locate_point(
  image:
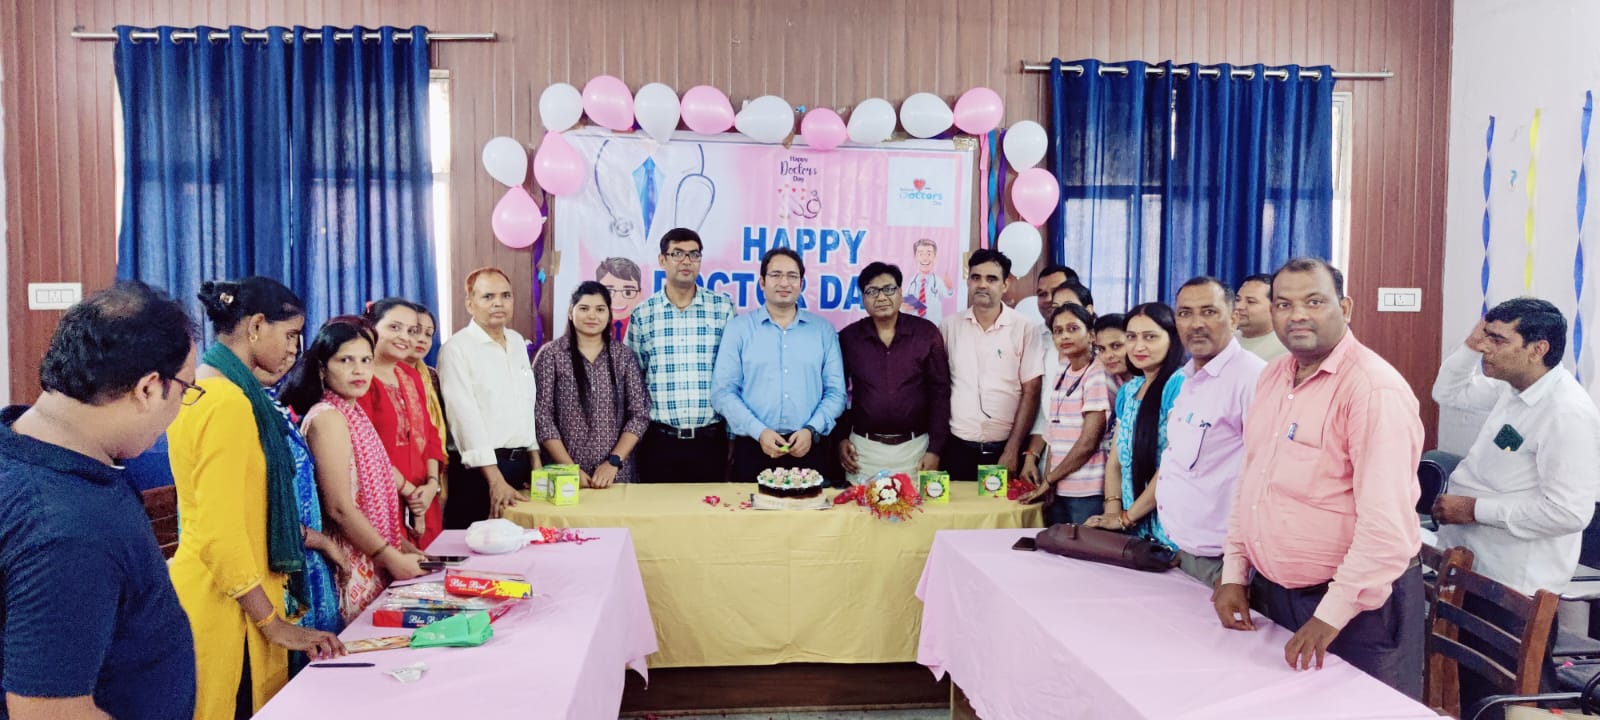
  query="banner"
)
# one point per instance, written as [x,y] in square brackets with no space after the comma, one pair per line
[906,204]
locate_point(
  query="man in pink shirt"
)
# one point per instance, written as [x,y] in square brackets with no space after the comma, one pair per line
[1325,513]
[1205,429]
[996,371]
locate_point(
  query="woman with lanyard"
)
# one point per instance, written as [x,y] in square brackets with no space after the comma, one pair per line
[1075,410]
[1141,435]
[243,543]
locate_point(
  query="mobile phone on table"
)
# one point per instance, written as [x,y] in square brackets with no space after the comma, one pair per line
[447,559]
[1028,544]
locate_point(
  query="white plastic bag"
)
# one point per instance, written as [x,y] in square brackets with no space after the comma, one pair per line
[495,537]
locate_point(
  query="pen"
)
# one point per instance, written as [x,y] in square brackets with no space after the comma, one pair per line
[342,665]
[1292,428]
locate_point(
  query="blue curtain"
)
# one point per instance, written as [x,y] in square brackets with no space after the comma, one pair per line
[1109,146]
[302,160]
[1251,179]
[1164,177]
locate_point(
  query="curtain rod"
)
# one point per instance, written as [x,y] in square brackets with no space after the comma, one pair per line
[216,35]
[1033,67]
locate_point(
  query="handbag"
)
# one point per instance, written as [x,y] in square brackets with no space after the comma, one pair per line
[1105,546]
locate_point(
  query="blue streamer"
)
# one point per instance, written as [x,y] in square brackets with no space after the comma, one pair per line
[1488,175]
[1583,204]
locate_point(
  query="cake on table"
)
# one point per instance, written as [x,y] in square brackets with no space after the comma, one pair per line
[789,489]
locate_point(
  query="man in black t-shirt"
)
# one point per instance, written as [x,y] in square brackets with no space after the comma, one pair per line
[89,622]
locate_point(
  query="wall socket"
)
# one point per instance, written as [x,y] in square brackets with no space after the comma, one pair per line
[1399,299]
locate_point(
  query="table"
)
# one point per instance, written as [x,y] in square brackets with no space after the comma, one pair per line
[759,587]
[561,654]
[1033,635]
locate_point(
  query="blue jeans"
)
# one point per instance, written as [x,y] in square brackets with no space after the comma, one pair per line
[1073,510]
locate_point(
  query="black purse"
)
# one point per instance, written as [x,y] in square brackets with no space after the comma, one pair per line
[1106,546]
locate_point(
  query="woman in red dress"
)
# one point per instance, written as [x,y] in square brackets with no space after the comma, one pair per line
[397,405]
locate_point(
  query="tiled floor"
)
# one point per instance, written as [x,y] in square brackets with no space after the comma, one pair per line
[850,715]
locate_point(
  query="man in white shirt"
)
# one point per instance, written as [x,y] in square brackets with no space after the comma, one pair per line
[1522,496]
[487,382]
[1252,313]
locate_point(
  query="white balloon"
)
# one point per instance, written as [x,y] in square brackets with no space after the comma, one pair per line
[656,107]
[871,122]
[1024,145]
[1020,242]
[925,115]
[560,107]
[506,160]
[767,119]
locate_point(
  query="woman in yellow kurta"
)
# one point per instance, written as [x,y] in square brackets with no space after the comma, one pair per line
[234,561]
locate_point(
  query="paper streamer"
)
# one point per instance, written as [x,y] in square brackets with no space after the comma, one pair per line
[1527,223]
[538,277]
[1488,176]
[1577,263]
[984,159]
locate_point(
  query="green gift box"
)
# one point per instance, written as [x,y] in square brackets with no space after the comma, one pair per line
[564,484]
[539,488]
[934,485]
[465,630]
[992,480]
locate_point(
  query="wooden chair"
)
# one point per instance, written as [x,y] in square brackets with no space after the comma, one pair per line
[1435,681]
[1507,648]
[161,505]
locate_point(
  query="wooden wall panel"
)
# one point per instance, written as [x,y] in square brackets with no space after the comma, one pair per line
[58,102]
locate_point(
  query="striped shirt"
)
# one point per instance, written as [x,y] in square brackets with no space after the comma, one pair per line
[677,350]
[1070,396]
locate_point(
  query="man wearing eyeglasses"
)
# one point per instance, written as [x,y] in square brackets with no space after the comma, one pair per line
[1205,428]
[779,376]
[675,334]
[91,622]
[899,379]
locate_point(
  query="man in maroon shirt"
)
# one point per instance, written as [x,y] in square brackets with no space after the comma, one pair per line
[899,379]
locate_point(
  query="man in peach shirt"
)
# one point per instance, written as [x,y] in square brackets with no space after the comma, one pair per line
[1325,513]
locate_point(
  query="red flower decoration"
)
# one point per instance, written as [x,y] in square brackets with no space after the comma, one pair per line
[712,500]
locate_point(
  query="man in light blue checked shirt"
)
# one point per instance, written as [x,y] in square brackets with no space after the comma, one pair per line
[779,377]
[675,333]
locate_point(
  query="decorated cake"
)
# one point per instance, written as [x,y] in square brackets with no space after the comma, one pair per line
[789,488]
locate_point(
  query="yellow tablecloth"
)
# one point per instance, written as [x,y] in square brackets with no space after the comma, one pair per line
[757,587]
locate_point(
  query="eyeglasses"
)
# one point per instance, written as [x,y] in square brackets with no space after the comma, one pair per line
[887,291]
[681,255]
[626,292]
[191,392]
[792,277]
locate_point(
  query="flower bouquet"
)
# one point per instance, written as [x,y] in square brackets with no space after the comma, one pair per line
[889,496]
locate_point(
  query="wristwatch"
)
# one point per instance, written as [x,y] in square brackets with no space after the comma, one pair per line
[615,460]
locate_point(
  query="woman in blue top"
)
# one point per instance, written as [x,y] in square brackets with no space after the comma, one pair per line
[1155,356]
[319,609]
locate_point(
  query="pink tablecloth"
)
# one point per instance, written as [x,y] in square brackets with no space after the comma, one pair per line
[1031,635]
[562,654]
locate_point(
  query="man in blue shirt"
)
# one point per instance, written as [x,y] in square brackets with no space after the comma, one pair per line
[89,623]
[779,377]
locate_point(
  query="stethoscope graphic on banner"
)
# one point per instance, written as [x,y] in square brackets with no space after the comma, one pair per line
[692,199]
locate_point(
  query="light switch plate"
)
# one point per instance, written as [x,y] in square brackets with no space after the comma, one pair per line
[54,296]
[1399,299]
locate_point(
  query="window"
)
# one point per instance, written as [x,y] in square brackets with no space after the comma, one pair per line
[439,137]
[1342,145]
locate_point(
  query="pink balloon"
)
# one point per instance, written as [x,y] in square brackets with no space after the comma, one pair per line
[706,110]
[557,165]
[979,110]
[1035,195]
[823,129]
[608,102]
[517,220]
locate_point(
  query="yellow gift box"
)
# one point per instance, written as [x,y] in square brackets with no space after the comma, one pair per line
[564,482]
[934,485]
[992,480]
